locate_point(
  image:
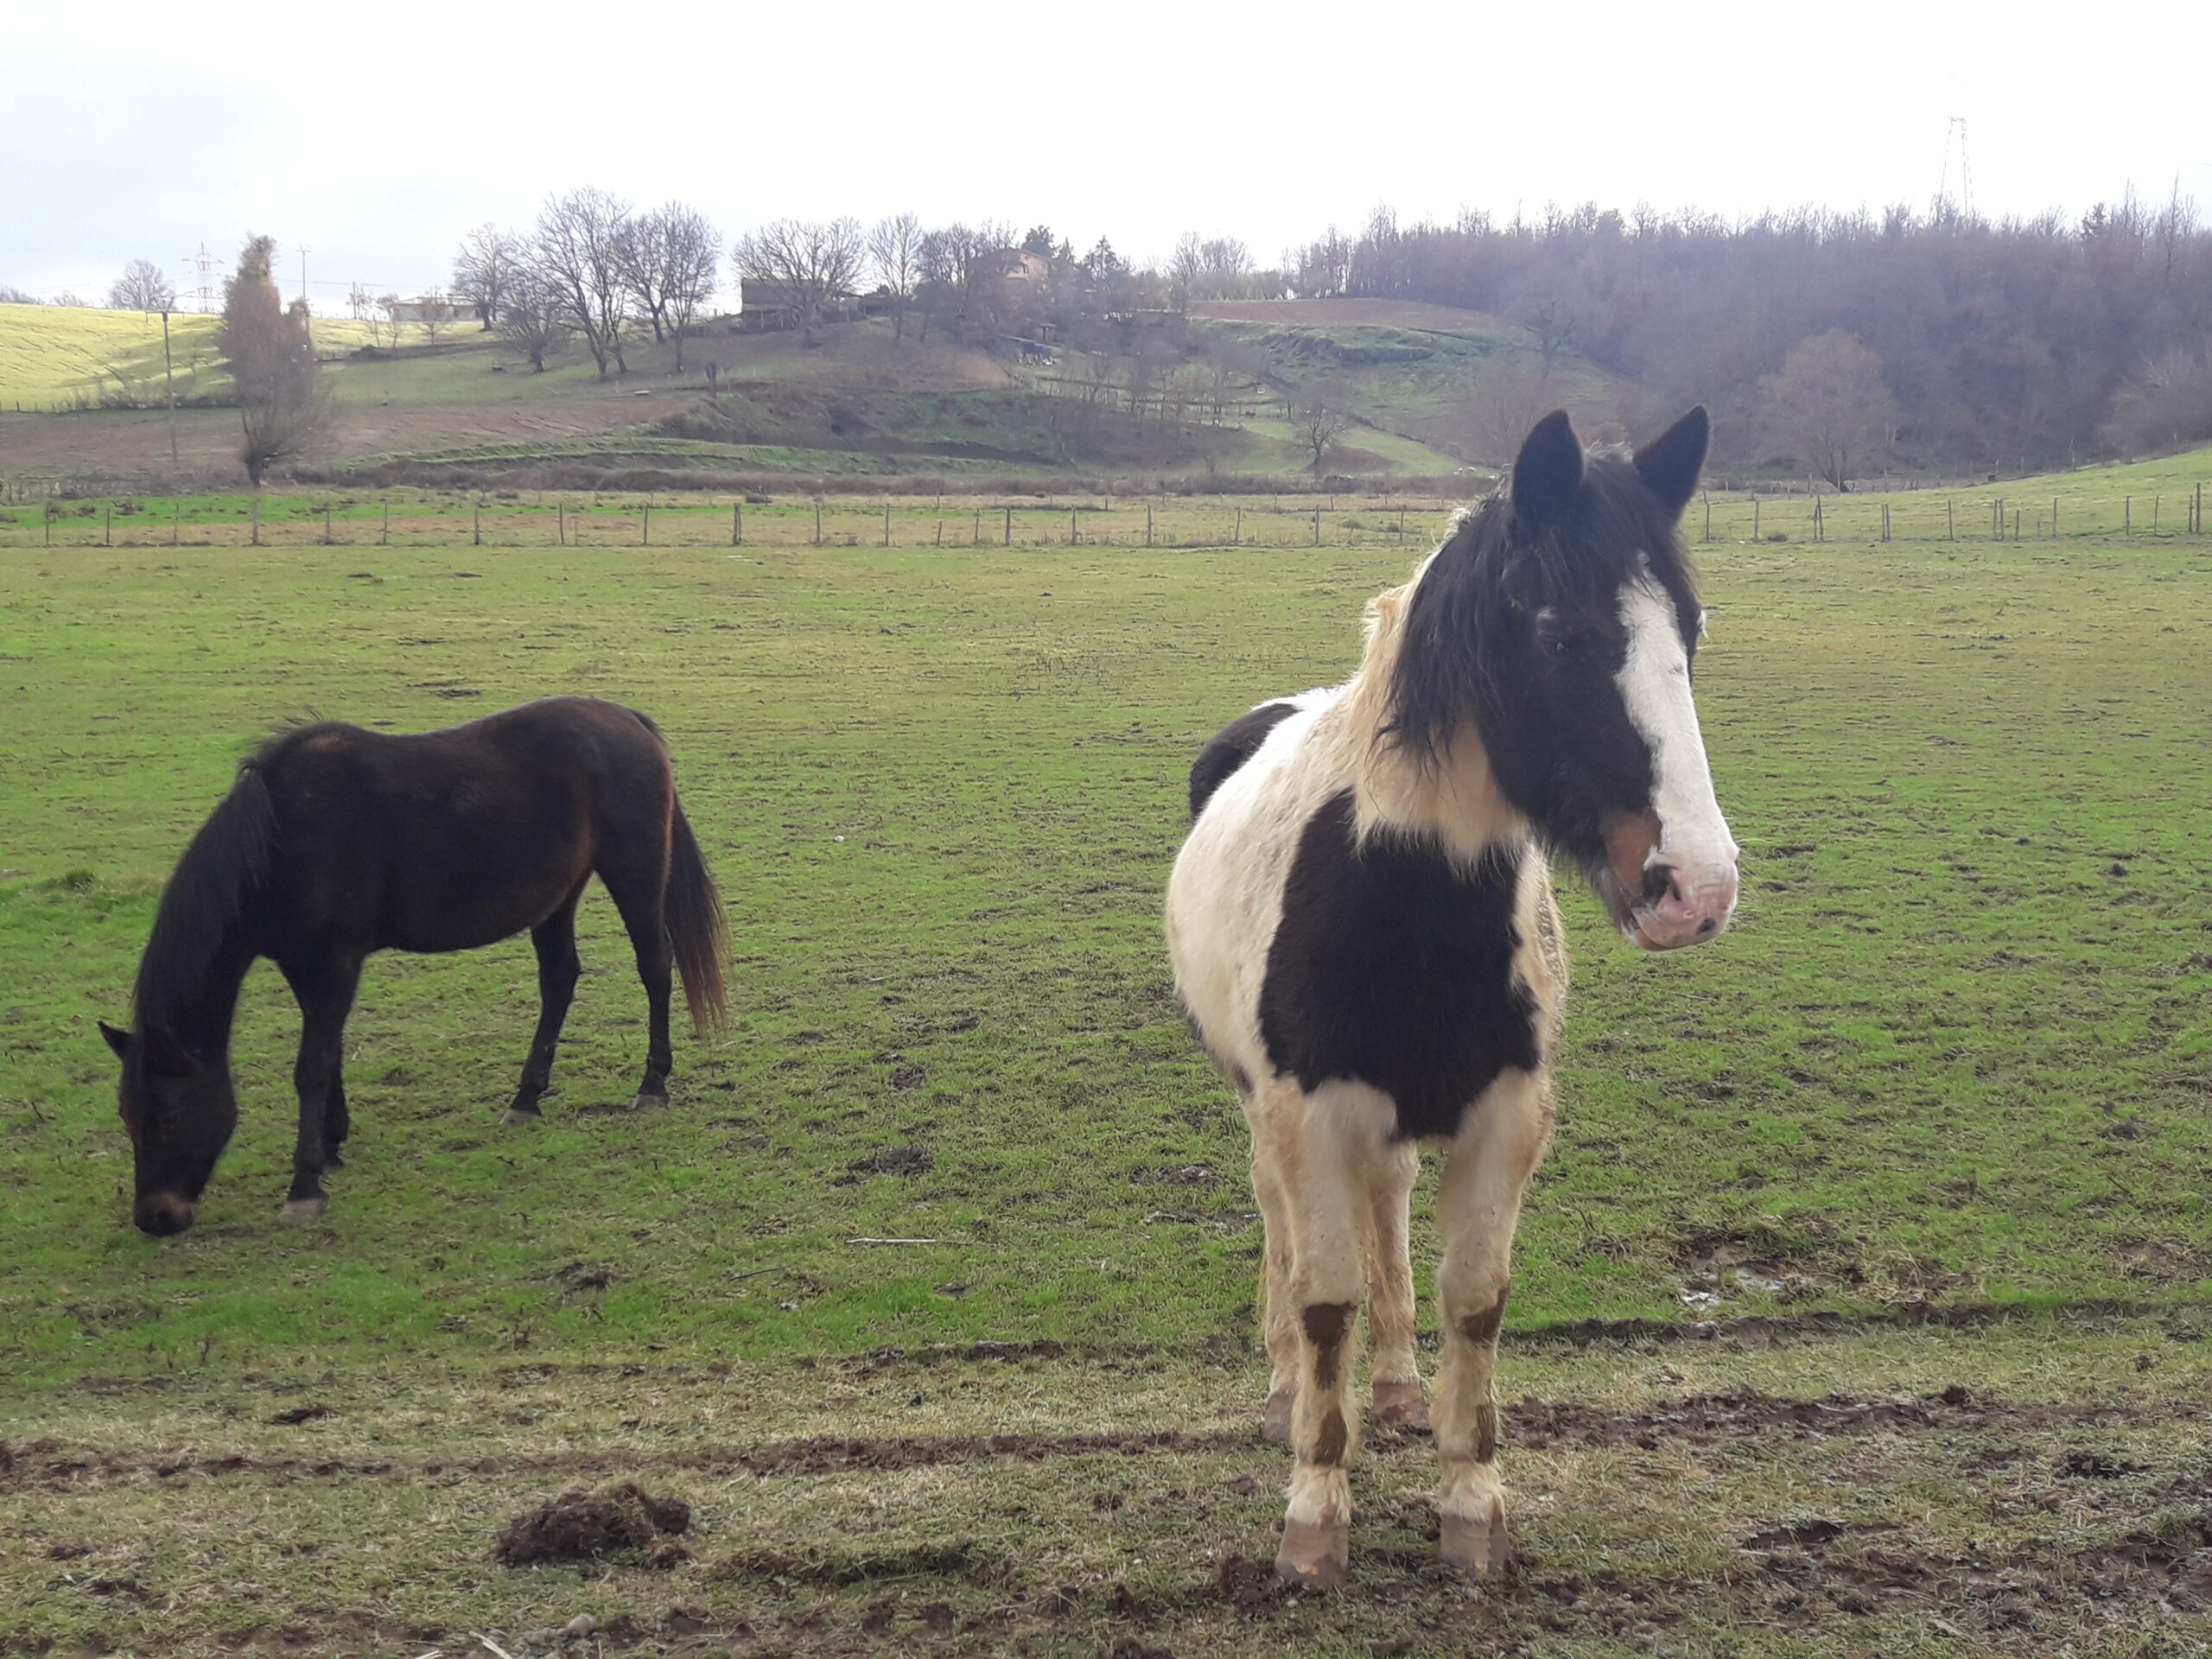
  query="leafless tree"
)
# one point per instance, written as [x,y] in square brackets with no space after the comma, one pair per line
[669,260]
[1507,403]
[142,288]
[895,247]
[577,248]
[282,407]
[533,323]
[433,307]
[384,322]
[1319,415]
[811,262]
[360,304]
[11,295]
[485,267]
[70,296]
[1185,266]
[2167,405]
[1829,405]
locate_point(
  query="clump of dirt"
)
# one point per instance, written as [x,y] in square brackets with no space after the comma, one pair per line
[584,1525]
[891,1160]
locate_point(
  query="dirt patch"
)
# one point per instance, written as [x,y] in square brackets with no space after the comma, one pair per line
[582,1526]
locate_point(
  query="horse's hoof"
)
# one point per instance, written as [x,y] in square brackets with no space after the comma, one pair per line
[1399,1405]
[1474,1545]
[1312,1555]
[1275,1417]
[645,1103]
[304,1209]
[521,1114]
[332,1160]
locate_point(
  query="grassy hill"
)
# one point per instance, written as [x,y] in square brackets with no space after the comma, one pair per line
[1428,373]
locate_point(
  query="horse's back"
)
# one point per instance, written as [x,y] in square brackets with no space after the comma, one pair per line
[449,839]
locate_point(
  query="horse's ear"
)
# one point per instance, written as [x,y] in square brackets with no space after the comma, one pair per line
[1669,464]
[1548,472]
[119,1041]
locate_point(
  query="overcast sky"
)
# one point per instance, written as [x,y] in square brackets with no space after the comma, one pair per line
[377,137]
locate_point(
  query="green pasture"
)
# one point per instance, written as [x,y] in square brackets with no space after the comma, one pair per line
[1956,1052]
[55,357]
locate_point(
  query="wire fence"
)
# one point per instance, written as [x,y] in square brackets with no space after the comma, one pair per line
[967,522]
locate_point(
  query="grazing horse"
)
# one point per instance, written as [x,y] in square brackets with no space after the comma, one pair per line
[335,842]
[1363,930]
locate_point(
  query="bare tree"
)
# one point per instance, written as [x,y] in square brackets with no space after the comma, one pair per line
[577,247]
[142,288]
[1507,403]
[669,259]
[1185,266]
[434,309]
[70,296]
[1319,415]
[360,304]
[384,324]
[486,266]
[282,407]
[11,295]
[811,263]
[533,323]
[894,246]
[1829,405]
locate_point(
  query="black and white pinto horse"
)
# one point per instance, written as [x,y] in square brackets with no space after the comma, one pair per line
[1362,929]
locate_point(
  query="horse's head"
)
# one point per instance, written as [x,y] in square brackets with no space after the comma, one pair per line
[1561,619]
[179,1110]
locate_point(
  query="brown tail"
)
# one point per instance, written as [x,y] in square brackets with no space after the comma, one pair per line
[696,927]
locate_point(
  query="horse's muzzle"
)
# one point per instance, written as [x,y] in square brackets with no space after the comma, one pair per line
[162,1215]
[1682,905]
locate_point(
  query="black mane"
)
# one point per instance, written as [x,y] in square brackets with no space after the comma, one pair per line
[205,900]
[1457,640]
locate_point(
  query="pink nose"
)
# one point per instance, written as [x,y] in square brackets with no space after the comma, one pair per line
[1685,907]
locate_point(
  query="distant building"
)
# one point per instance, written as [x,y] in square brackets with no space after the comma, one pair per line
[1027,268]
[765,307]
[434,307]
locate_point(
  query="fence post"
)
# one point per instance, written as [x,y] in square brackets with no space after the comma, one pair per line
[1008,541]
[1755,517]
[326,541]
[817,521]
[2126,515]
[1401,519]
[940,532]
[256,520]
[49,523]
[1071,529]
[1708,518]
[737,524]
[1950,524]
[1240,526]
[1147,524]
[176,521]
[645,527]
[1317,526]
[2054,517]
[886,524]
[476,524]
[107,527]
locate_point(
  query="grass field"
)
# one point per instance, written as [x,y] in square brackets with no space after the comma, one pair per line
[1934,1114]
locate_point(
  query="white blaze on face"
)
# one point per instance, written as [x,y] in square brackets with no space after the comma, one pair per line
[1694,843]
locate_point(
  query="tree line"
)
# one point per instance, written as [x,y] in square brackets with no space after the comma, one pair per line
[1977,342]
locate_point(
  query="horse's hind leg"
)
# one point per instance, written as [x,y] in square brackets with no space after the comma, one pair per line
[558,970]
[641,896]
[325,991]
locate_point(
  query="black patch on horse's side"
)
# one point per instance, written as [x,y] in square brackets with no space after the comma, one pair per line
[1231,747]
[1393,967]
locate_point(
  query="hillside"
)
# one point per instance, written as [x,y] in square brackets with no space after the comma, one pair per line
[1460,381]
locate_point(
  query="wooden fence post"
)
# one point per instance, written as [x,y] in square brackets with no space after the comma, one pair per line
[886,524]
[645,527]
[1071,529]
[476,524]
[326,540]
[817,521]
[1147,524]
[1755,517]
[1317,526]
[1240,526]
[1008,541]
[737,524]
[257,521]
[1950,524]
[176,521]
[107,527]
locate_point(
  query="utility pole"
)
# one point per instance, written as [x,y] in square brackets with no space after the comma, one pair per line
[168,376]
[306,311]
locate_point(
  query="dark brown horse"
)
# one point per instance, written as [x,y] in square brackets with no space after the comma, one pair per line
[335,842]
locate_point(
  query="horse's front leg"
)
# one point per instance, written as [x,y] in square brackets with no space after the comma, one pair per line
[1479,1202]
[325,990]
[1322,1144]
[1390,1315]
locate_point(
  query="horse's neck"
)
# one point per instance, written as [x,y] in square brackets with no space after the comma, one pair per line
[197,1001]
[1452,800]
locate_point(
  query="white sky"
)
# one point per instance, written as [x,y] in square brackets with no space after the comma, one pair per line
[376,138]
